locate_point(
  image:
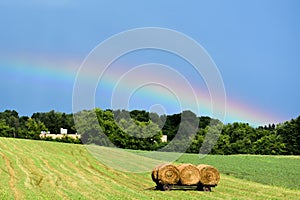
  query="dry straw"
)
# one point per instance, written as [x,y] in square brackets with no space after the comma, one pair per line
[189,174]
[208,175]
[165,174]
[154,173]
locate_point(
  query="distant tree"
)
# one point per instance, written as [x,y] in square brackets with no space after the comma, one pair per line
[270,144]
[11,118]
[159,120]
[121,114]
[56,120]
[290,133]
[204,121]
[34,128]
[211,138]
[141,135]
[22,130]
[88,126]
[223,146]
[197,141]
[182,132]
[5,130]
[140,115]
[50,119]
[171,125]
[67,139]
[241,136]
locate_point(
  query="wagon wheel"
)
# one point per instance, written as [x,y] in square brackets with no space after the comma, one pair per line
[166,187]
[206,188]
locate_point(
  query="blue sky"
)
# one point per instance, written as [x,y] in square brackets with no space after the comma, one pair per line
[255,44]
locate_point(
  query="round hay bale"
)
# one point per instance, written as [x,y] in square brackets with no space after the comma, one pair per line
[165,174]
[189,174]
[154,173]
[208,175]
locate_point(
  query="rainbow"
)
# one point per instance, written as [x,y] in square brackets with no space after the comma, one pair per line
[63,72]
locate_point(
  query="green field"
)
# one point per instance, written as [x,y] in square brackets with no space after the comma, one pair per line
[49,170]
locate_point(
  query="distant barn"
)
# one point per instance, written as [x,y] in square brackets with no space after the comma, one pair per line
[164,138]
[63,133]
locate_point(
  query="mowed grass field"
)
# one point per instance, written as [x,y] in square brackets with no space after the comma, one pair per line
[49,170]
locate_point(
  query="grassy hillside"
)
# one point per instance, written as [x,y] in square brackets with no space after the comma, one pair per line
[48,170]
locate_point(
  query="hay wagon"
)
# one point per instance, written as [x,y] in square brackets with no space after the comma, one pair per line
[199,187]
[185,177]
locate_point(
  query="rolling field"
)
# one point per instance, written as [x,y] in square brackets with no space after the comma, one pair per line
[48,170]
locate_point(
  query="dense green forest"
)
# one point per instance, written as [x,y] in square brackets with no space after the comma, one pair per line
[143,130]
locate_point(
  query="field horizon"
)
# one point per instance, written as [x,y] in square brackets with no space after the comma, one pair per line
[49,170]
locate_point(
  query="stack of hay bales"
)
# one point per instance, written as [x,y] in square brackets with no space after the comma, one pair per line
[185,174]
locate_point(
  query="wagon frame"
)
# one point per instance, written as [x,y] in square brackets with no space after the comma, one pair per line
[199,187]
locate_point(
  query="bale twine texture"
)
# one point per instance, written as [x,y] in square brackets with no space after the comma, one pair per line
[208,175]
[166,174]
[189,174]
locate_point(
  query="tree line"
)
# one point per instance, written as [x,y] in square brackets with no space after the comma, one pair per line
[139,129]
[11,125]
